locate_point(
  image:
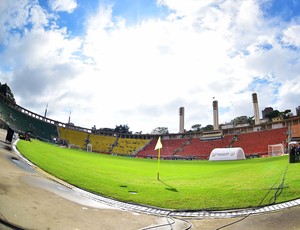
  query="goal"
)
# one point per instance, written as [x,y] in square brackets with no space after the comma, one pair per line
[275,150]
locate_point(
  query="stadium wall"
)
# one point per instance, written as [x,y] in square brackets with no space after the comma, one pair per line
[7,107]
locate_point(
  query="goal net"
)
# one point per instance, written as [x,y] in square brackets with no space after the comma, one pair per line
[275,150]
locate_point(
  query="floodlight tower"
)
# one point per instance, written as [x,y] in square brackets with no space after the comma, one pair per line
[216,115]
[45,115]
[181,120]
[69,121]
[255,108]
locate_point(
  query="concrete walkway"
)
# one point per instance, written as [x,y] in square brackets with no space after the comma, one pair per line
[32,199]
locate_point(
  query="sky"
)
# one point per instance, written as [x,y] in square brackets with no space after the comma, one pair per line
[136,62]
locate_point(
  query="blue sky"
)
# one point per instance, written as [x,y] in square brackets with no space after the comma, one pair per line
[134,11]
[137,62]
[287,10]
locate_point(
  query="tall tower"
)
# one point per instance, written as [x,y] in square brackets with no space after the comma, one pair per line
[255,108]
[181,120]
[69,121]
[46,110]
[216,115]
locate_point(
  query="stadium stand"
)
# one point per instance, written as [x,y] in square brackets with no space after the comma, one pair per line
[73,138]
[22,120]
[101,143]
[175,146]
[256,143]
[128,146]
[148,150]
[170,148]
[200,149]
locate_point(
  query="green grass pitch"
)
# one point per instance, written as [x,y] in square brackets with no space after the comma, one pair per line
[183,185]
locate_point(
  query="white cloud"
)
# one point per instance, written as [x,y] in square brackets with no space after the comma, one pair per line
[141,74]
[38,16]
[288,95]
[63,5]
[13,15]
[187,7]
[161,59]
[291,36]
[38,61]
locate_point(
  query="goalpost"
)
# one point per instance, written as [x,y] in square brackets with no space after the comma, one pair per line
[275,150]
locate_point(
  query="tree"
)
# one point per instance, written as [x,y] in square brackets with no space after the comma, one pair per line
[243,120]
[273,114]
[6,92]
[250,120]
[240,120]
[207,128]
[160,130]
[122,129]
[286,114]
[196,127]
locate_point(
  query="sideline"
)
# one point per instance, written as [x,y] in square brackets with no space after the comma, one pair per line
[143,209]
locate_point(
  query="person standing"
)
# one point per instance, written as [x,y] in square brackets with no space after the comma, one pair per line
[293,151]
[298,153]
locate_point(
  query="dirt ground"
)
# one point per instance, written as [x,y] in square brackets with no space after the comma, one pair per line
[30,201]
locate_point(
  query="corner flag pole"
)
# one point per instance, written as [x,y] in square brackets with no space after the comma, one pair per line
[158,146]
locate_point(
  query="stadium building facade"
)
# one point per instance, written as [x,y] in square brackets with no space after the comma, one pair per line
[254,139]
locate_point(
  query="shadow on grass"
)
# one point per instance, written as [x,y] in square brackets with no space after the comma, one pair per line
[169,187]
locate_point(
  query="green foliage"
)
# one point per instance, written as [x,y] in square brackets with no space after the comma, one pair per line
[160,130]
[196,127]
[183,184]
[286,113]
[207,128]
[250,120]
[122,129]
[273,114]
[243,120]
[6,92]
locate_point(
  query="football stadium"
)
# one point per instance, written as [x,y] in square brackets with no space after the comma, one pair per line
[242,167]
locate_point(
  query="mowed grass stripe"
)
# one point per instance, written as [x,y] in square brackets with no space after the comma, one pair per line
[188,185]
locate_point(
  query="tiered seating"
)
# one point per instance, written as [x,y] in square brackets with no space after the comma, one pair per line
[40,127]
[102,144]
[170,147]
[148,149]
[22,122]
[128,146]
[257,142]
[73,137]
[202,149]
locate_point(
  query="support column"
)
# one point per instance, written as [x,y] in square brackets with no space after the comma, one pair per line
[181,120]
[255,108]
[216,115]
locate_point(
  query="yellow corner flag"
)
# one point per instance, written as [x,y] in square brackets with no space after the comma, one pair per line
[158,146]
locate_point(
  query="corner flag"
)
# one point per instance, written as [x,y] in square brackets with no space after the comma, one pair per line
[158,146]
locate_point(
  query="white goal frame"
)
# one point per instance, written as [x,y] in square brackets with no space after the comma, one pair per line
[275,150]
